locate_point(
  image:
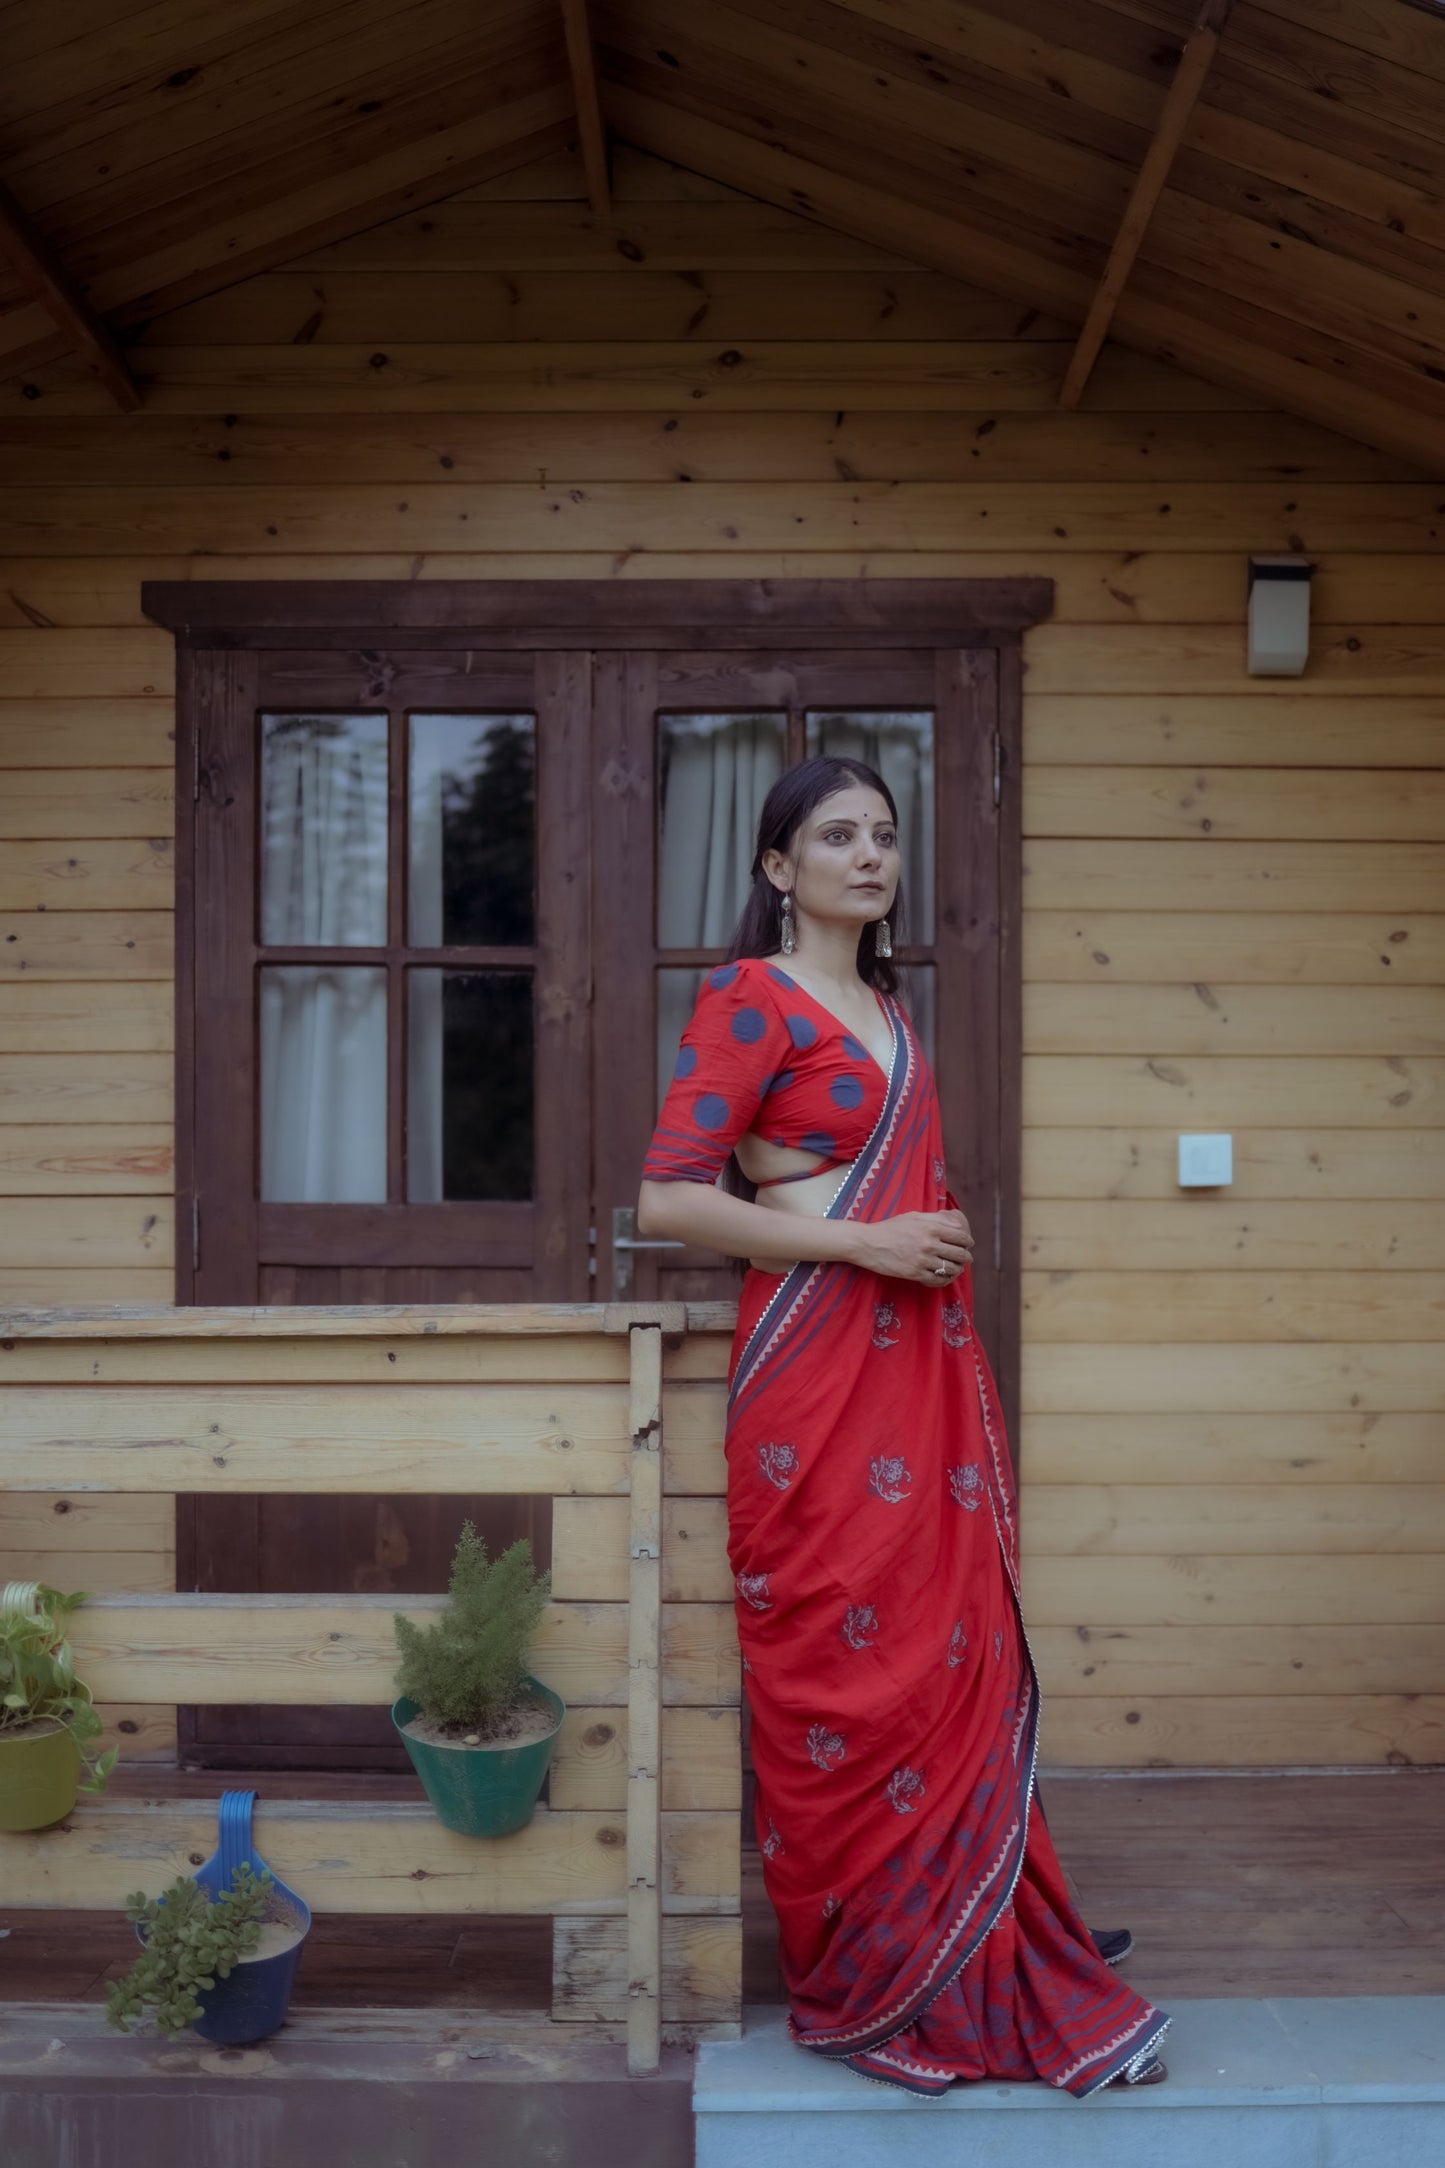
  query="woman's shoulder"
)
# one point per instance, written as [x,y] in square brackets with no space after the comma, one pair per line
[748,976]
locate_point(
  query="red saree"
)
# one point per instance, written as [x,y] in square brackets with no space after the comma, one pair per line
[927,1933]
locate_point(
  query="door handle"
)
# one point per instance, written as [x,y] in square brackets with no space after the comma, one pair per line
[625,1240]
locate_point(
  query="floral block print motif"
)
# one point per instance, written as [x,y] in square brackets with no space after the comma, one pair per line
[890,1478]
[925,1931]
[885,1325]
[779,1464]
[826,1748]
[957,1332]
[905,1790]
[966,1485]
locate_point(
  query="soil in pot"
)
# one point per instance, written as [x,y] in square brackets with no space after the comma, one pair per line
[277,1937]
[526,1721]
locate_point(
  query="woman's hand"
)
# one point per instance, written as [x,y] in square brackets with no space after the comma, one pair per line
[914,1245]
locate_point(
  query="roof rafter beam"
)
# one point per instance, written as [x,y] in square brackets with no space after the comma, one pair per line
[63,302]
[591,128]
[1194,65]
[1180,338]
[329,209]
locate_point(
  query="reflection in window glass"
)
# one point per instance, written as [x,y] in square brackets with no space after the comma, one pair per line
[714,772]
[469,1085]
[323,830]
[473,791]
[323,1084]
[898,742]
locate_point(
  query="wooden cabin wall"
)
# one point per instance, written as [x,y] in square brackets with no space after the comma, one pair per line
[1235,1504]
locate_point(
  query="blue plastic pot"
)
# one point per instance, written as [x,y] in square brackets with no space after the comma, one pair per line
[252,2001]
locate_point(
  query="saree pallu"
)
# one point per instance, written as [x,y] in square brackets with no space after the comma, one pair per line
[927,1934]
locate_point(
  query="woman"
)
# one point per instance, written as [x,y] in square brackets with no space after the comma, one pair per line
[927,1934]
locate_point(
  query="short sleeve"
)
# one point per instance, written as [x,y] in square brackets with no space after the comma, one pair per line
[731,1051]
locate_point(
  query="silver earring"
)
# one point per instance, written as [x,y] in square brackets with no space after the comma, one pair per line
[883,939]
[790,931]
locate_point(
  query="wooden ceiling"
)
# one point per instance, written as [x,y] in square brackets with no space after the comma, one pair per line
[1254,191]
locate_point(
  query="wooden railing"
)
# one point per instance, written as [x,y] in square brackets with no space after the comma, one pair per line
[616,1412]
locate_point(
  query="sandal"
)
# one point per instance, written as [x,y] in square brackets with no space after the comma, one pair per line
[1154,2072]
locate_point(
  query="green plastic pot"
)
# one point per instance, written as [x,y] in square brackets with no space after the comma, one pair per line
[482,1791]
[39,1775]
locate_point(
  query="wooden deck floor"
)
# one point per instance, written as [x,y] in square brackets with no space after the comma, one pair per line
[1232,1885]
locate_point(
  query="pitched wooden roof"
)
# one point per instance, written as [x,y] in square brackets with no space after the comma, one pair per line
[1292,244]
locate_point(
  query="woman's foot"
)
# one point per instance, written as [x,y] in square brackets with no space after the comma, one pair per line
[1113,1944]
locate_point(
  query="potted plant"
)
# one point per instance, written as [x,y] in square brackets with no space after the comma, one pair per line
[220,1962]
[48,1725]
[479,1728]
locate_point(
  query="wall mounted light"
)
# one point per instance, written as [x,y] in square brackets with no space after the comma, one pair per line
[1279,615]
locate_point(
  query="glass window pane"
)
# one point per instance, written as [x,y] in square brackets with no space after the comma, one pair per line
[323,830]
[323,1084]
[469,1085]
[898,742]
[713,772]
[676,998]
[473,789]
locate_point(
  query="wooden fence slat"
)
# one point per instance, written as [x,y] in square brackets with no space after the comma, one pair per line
[314,1439]
[589,1537]
[375,1858]
[701,1766]
[644,1706]
[340,1650]
[405,1359]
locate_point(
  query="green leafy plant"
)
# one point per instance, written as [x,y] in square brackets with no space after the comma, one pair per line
[37,1673]
[191,1940]
[466,1670]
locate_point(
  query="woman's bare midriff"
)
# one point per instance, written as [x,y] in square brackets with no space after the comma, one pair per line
[761,1162]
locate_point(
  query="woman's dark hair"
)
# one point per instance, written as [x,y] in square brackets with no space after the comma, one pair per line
[759,931]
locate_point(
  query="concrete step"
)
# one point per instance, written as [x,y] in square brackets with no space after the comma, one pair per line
[435,2088]
[1318,2082]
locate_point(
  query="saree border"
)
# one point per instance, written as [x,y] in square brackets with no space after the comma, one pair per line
[788,1297]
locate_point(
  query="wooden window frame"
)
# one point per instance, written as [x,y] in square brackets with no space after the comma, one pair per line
[219,624]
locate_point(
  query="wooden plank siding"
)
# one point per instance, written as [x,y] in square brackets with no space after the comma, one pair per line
[1234,887]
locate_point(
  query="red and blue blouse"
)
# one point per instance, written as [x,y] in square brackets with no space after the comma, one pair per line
[760,1054]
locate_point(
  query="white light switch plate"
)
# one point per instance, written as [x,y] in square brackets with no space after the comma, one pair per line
[1206,1162]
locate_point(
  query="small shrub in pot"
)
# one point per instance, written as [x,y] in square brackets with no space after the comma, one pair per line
[479,1728]
[219,1961]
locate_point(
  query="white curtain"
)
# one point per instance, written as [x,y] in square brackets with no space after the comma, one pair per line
[323,1028]
[717,770]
